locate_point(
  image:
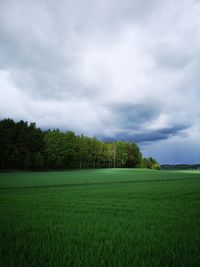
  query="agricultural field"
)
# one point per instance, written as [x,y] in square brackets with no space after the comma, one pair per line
[103,217]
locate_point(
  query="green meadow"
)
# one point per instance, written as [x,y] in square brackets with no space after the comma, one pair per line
[103,217]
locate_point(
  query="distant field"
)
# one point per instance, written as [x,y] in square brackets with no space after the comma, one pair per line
[106,217]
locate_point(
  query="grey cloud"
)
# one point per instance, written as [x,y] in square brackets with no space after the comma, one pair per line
[172,57]
[149,136]
[133,116]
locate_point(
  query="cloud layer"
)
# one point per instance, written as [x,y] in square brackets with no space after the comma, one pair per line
[115,69]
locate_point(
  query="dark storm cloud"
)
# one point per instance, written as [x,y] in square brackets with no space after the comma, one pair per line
[165,133]
[149,136]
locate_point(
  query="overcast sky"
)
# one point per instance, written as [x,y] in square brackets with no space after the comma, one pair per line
[115,69]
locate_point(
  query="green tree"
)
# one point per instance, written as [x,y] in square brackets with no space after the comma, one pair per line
[134,156]
[24,146]
[55,149]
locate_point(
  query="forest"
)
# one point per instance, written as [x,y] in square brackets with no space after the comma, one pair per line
[23,146]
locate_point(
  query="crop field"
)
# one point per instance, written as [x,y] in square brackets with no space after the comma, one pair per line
[104,217]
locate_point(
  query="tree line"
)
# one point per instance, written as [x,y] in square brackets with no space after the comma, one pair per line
[24,146]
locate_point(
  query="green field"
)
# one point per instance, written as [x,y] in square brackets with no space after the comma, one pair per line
[107,217]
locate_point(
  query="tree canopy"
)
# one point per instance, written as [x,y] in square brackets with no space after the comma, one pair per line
[24,146]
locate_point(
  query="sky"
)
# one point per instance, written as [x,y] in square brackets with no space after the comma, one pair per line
[115,69]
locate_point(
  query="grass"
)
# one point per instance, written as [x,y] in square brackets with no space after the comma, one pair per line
[107,217]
